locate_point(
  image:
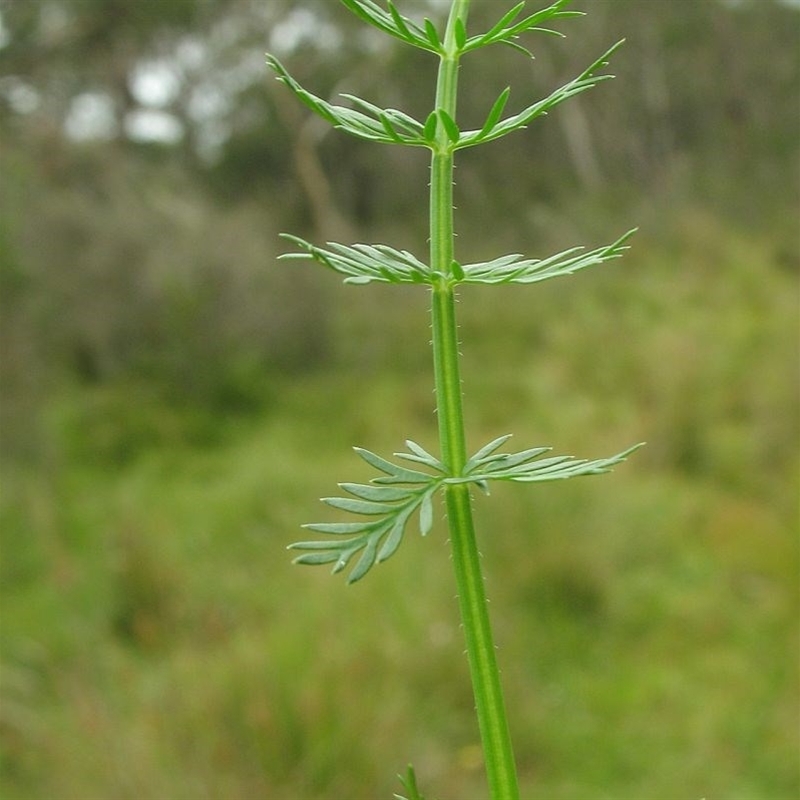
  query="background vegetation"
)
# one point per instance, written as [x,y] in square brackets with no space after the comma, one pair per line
[173,402]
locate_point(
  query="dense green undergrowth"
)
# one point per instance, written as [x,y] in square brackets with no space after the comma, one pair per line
[152,637]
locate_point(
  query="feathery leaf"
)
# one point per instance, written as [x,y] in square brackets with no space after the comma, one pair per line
[392,23]
[363,263]
[506,29]
[527,466]
[386,509]
[372,125]
[586,80]
[516,268]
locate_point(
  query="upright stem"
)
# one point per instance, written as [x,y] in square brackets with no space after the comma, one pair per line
[489,704]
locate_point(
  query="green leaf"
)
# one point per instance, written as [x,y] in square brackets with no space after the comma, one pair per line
[364,564]
[363,10]
[355,506]
[396,473]
[497,29]
[421,455]
[586,80]
[481,456]
[363,263]
[429,130]
[398,119]
[460,33]
[421,451]
[402,120]
[506,29]
[517,269]
[421,460]
[314,559]
[389,128]
[387,510]
[527,467]
[400,22]
[495,113]
[392,23]
[381,494]
[432,35]
[505,462]
[371,122]
[426,514]
[392,541]
[517,46]
[339,528]
[449,124]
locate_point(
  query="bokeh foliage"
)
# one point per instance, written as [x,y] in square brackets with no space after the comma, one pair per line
[174,399]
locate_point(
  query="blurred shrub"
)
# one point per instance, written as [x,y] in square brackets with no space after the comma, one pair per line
[117,272]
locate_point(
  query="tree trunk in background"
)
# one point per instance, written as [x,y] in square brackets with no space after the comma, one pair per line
[577,132]
[328,222]
[580,147]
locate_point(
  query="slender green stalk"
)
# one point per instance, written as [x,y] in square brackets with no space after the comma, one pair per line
[489,703]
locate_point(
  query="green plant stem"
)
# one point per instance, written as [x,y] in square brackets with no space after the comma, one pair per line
[490,707]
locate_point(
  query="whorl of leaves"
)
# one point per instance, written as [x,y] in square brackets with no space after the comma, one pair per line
[368,263]
[388,502]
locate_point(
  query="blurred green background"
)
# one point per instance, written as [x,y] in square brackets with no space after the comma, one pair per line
[174,401]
